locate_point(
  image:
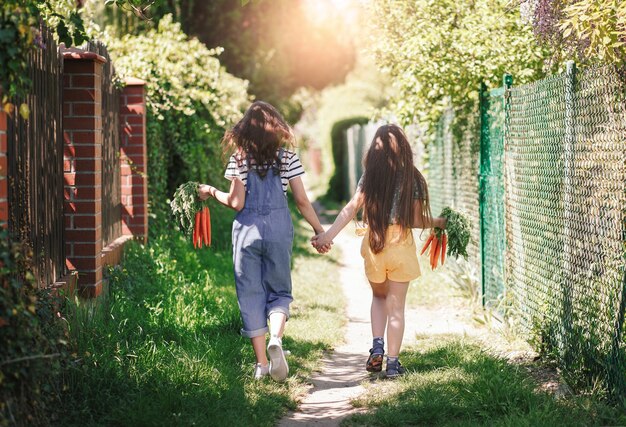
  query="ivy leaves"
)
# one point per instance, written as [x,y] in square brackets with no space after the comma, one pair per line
[21,26]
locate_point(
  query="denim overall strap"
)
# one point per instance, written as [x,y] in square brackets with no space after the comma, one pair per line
[263,195]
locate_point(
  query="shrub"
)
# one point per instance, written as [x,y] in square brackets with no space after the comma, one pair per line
[336,187]
[33,341]
[190,100]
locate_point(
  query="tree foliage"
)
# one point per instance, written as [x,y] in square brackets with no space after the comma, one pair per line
[438,52]
[587,30]
[274,44]
[191,99]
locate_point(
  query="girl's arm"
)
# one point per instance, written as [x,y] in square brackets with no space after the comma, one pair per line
[304,205]
[345,216]
[234,199]
[418,221]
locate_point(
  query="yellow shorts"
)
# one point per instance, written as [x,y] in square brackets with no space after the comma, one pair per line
[398,260]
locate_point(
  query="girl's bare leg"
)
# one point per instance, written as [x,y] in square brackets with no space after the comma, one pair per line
[277,324]
[395,301]
[378,310]
[258,344]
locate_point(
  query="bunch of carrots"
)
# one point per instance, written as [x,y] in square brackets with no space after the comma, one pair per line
[437,243]
[202,228]
[192,214]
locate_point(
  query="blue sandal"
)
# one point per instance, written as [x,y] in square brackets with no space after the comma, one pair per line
[395,369]
[375,360]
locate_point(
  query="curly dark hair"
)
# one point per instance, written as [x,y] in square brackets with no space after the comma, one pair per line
[258,135]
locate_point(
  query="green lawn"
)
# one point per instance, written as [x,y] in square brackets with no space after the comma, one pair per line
[164,348]
[452,381]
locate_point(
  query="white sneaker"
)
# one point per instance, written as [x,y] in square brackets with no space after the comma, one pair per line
[278,364]
[261,371]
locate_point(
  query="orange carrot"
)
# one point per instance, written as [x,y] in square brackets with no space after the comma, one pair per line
[436,257]
[444,244]
[196,231]
[207,225]
[427,244]
[433,250]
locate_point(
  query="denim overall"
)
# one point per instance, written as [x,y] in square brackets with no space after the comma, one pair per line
[262,243]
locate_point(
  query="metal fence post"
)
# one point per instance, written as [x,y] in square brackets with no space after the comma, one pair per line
[483,99]
[507,83]
[568,190]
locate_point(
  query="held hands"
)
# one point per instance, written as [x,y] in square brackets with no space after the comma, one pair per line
[321,243]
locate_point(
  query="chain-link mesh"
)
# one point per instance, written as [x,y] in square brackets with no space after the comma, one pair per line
[566,160]
[552,193]
[452,166]
[492,197]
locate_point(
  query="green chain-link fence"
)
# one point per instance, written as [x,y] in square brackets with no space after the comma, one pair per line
[552,212]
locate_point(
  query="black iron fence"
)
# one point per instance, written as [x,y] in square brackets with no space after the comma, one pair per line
[35,171]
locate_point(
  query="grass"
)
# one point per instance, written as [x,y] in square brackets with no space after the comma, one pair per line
[164,348]
[452,381]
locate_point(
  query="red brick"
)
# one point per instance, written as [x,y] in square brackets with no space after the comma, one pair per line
[86,109]
[81,66]
[136,181]
[87,249]
[67,109]
[86,138]
[3,142]
[92,150]
[133,90]
[69,178]
[136,109]
[4,210]
[3,121]
[68,221]
[80,95]
[87,164]
[88,207]
[85,179]
[133,141]
[3,165]
[82,264]
[125,169]
[134,99]
[88,193]
[85,221]
[82,123]
[87,81]
[136,220]
[133,150]
[83,235]
[132,210]
[67,166]
[3,189]
[136,199]
[134,123]
[69,251]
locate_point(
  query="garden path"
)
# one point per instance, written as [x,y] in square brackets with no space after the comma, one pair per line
[342,372]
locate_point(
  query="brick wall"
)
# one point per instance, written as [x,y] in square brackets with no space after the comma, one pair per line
[134,160]
[82,129]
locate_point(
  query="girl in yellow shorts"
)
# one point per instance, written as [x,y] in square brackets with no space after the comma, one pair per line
[393,195]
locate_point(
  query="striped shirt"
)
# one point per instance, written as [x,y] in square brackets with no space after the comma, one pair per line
[290,168]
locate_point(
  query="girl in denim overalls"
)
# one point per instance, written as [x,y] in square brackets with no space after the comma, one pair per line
[393,195]
[260,170]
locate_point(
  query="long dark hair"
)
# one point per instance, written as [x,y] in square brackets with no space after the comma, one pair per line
[388,164]
[258,135]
